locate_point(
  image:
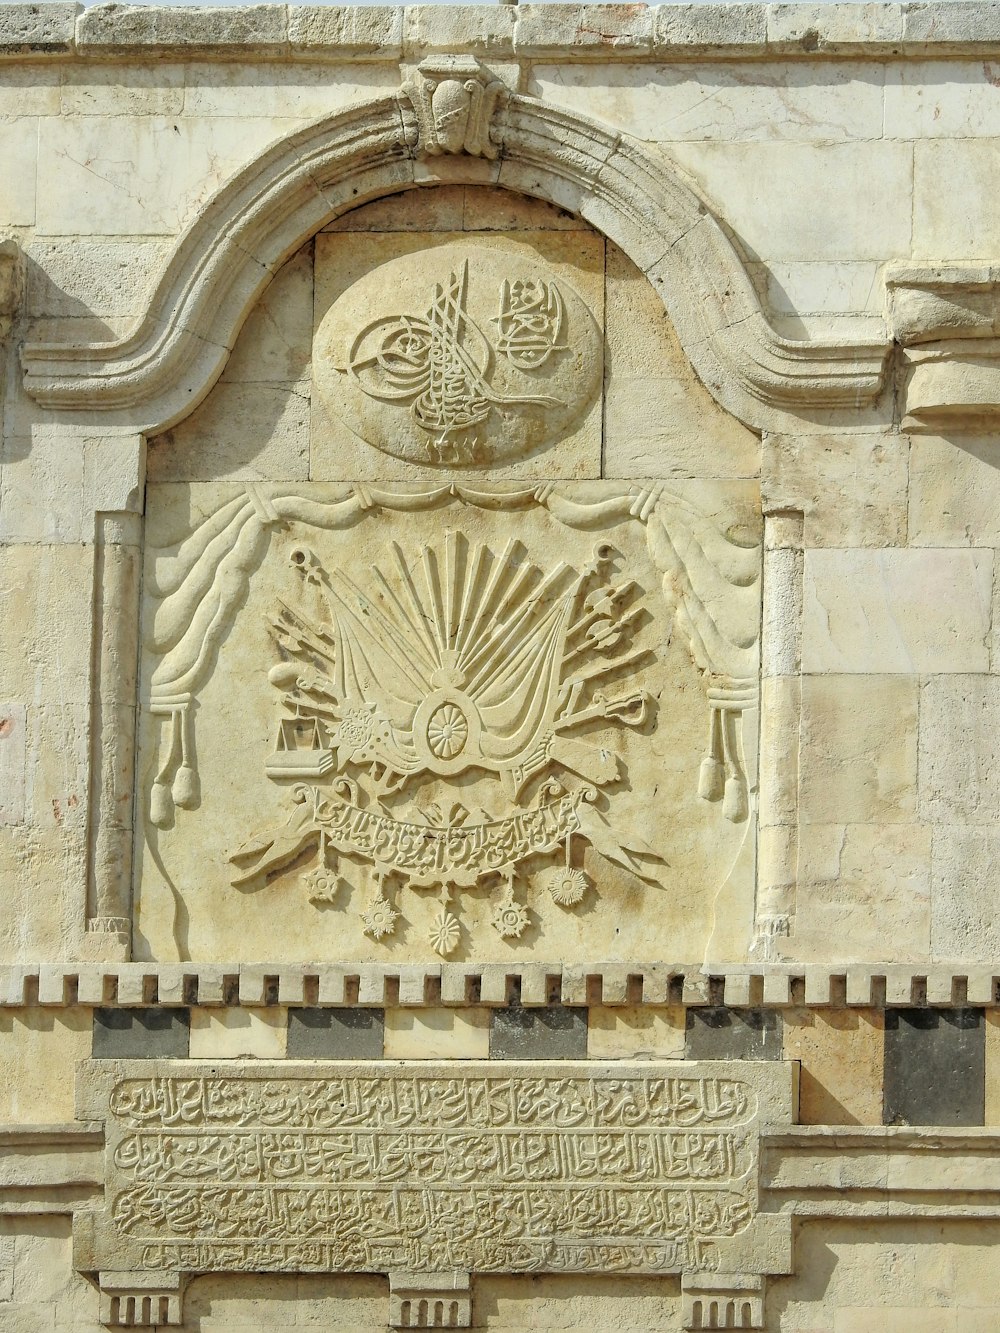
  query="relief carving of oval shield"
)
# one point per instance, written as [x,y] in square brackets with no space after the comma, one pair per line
[459,356]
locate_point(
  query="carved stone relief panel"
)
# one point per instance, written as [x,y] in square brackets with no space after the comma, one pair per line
[403,722]
[469,351]
[423,1169]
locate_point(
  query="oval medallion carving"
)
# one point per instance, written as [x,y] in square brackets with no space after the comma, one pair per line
[459,356]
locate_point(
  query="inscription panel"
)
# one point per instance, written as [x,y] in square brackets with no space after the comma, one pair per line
[502,1167]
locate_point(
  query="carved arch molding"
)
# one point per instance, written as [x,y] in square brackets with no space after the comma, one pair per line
[633,194]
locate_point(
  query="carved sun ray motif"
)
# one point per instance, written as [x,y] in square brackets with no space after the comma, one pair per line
[448,659]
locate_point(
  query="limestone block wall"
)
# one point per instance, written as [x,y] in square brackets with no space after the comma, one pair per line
[498,551]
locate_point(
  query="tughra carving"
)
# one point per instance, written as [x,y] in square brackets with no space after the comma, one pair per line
[439,362]
[454,100]
[419,1169]
[464,355]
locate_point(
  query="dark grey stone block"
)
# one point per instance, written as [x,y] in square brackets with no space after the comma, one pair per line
[553,1033]
[718,1032]
[141,1034]
[335,1034]
[935,1067]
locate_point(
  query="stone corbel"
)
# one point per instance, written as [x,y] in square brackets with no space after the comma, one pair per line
[722,1300]
[142,1300]
[430,1300]
[453,99]
[946,320]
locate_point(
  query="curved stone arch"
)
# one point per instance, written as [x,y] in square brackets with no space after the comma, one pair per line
[159,372]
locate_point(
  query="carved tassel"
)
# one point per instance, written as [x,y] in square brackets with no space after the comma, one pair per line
[161,805]
[185,787]
[734,805]
[712,773]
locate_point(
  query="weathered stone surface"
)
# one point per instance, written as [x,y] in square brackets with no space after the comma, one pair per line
[335,1034]
[256,29]
[841,1055]
[437,1034]
[229,1033]
[552,1033]
[934,1067]
[345,30]
[631,1032]
[37,29]
[858,749]
[733,1034]
[851,489]
[960,780]
[691,1131]
[897,611]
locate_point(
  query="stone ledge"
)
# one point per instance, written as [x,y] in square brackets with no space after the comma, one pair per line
[560,32]
[496,985]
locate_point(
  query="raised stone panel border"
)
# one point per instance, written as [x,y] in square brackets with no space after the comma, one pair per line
[339,1167]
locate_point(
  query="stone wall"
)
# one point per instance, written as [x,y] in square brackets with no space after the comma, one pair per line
[498,788]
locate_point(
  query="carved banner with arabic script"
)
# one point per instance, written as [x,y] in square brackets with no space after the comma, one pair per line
[497,1167]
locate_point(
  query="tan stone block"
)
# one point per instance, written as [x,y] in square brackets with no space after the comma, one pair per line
[840,1080]
[964,920]
[42,500]
[897,611]
[851,489]
[437,1034]
[73,278]
[123,90]
[18,152]
[44,874]
[806,213]
[294,89]
[960,750]
[235,1033]
[489,208]
[863,889]
[275,344]
[710,102]
[657,413]
[124,176]
[858,749]
[39,1049]
[945,170]
[954,492]
[251,431]
[631,1032]
[433,208]
[31,90]
[902,1319]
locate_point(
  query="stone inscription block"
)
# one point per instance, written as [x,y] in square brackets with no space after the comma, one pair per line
[503,1167]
